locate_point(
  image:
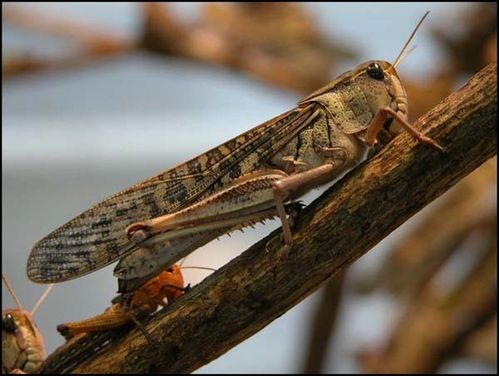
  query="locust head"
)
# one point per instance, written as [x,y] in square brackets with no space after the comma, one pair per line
[22,343]
[355,98]
[381,87]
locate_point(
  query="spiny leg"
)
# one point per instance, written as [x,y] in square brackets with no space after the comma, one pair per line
[247,200]
[252,197]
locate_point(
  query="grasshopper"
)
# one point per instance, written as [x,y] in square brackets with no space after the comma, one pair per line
[249,178]
[88,336]
[22,343]
[144,301]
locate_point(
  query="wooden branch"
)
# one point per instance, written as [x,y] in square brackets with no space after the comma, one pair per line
[260,285]
[275,42]
[63,25]
[435,325]
[482,343]
[322,324]
[92,43]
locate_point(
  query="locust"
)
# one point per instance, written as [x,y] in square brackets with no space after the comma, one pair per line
[90,335]
[252,177]
[169,285]
[22,344]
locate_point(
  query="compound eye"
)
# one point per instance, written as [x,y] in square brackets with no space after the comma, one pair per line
[375,71]
[8,323]
[388,122]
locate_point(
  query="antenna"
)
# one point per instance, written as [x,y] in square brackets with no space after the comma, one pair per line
[406,53]
[399,57]
[11,291]
[42,298]
[199,267]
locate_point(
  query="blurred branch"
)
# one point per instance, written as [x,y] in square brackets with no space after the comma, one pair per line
[435,324]
[424,94]
[92,43]
[469,41]
[90,36]
[482,343]
[350,218]
[16,65]
[464,37]
[278,43]
[322,324]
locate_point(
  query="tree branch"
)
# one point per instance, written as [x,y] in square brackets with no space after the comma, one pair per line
[322,324]
[437,322]
[257,287]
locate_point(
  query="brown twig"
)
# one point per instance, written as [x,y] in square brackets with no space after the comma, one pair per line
[463,37]
[322,324]
[92,43]
[62,25]
[276,42]
[435,324]
[257,287]
[482,343]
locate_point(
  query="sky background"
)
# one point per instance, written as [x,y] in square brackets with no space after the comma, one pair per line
[70,139]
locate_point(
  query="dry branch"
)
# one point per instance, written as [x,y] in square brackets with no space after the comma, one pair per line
[482,343]
[89,43]
[278,43]
[435,324]
[322,324]
[257,287]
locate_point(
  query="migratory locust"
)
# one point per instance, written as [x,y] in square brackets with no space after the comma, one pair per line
[254,176]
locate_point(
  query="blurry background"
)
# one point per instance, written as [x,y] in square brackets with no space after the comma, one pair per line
[97,97]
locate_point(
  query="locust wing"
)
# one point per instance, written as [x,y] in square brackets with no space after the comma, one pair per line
[97,237]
